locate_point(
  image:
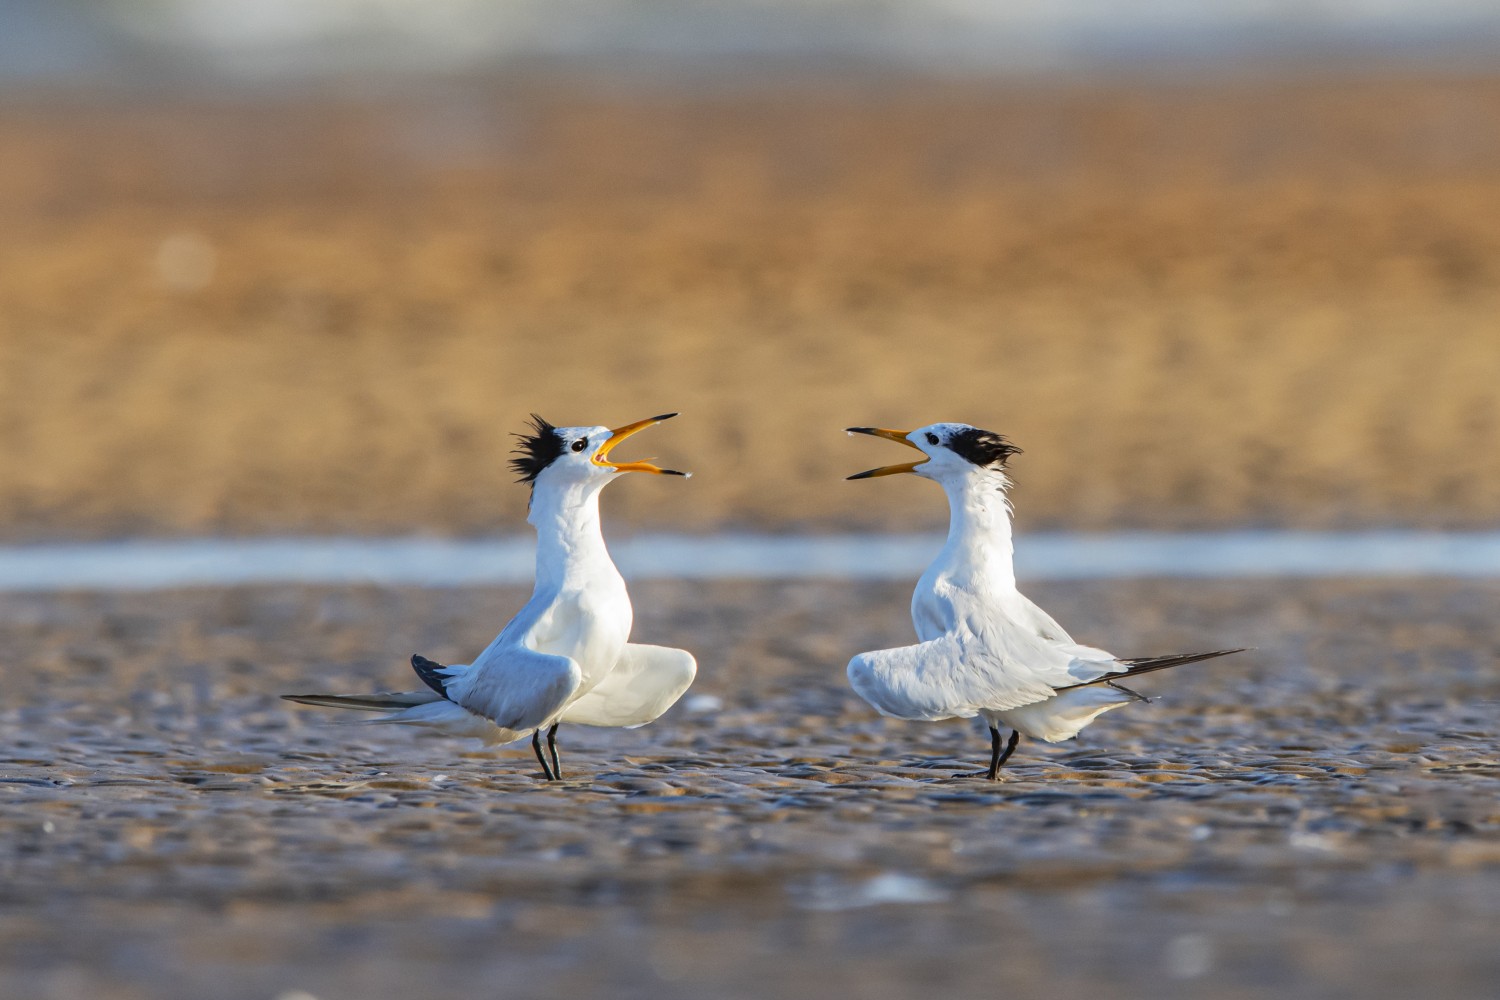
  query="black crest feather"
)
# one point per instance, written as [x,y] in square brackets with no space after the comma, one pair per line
[535,451]
[983,448]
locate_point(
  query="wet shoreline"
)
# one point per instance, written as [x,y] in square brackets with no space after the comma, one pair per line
[1273,826]
[433,562]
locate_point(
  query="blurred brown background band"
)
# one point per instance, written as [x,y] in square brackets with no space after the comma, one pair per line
[1214,304]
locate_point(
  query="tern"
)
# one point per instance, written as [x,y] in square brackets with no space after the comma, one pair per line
[566,656]
[984,648]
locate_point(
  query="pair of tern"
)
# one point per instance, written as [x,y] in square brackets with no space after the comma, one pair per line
[984,649]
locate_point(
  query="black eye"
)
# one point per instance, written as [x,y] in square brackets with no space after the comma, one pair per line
[931,438]
[580,444]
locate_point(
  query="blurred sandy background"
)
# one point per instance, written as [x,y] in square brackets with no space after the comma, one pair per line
[1195,299]
[272,266]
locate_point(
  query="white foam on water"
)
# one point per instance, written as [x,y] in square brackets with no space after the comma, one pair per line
[432,562]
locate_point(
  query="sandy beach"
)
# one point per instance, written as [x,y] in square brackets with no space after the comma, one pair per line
[1194,304]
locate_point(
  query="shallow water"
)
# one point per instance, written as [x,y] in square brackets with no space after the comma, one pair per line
[1316,818]
[432,562]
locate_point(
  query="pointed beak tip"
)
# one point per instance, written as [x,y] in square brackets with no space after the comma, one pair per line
[900,437]
[619,434]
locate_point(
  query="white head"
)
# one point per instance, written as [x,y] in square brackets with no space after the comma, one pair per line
[578,456]
[954,452]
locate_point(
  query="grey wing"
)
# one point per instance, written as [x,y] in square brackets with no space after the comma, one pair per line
[1079,663]
[645,682]
[516,687]
[959,674]
[943,678]
[1057,663]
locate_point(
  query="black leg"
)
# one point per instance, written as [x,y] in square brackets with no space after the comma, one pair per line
[552,749]
[1010,748]
[994,753]
[536,748]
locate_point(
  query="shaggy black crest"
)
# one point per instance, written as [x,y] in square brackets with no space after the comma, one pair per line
[537,450]
[983,448]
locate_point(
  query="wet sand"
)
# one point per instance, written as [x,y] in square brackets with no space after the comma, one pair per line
[1195,304]
[1316,818]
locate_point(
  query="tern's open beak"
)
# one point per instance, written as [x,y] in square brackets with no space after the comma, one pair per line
[888,470]
[620,434]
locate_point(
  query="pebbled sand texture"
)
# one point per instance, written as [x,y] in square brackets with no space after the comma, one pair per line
[1317,818]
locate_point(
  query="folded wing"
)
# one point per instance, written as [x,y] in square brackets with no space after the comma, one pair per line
[516,688]
[960,674]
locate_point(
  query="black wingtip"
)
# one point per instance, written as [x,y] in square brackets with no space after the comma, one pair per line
[428,671]
[1146,663]
[1150,664]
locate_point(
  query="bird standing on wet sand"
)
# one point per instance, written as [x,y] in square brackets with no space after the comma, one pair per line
[986,649]
[564,657]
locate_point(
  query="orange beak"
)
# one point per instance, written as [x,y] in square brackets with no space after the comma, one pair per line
[887,470]
[620,434]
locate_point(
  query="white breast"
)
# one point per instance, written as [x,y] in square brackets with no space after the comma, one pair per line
[589,626]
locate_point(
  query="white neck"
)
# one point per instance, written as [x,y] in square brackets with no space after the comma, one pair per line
[569,540]
[979,534]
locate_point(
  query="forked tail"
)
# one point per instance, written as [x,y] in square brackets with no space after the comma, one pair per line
[1147,664]
[384,701]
